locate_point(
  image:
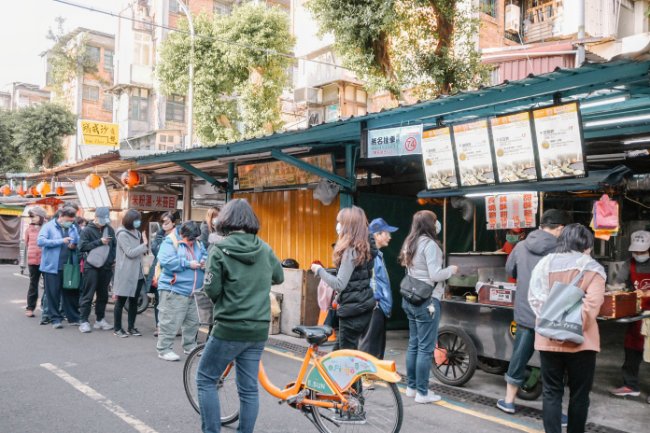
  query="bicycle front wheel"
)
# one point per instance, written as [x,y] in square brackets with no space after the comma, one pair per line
[226,387]
[375,406]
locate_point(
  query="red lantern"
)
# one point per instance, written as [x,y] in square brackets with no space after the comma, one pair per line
[130,178]
[93,181]
[6,190]
[43,188]
[21,191]
[60,190]
[33,191]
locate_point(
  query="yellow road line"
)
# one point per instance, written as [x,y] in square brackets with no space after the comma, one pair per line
[445,404]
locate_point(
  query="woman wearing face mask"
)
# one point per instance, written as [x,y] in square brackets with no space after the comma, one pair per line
[513,236]
[209,234]
[639,279]
[422,257]
[182,269]
[354,261]
[33,252]
[129,276]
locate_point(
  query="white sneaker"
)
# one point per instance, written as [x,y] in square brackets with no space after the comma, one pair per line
[85,327]
[429,398]
[410,392]
[169,356]
[103,325]
[188,351]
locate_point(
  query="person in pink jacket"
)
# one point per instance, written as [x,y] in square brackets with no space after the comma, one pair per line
[560,358]
[37,217]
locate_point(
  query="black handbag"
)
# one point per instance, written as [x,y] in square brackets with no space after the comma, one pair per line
[415,292]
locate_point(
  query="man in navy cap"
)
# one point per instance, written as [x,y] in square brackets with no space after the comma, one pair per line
[374,339]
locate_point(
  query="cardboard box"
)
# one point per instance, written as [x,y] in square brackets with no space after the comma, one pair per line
[497,294]
[618,304]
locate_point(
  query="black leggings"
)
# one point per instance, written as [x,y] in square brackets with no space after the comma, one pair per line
[133,308]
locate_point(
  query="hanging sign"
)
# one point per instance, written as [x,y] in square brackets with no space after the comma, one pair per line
[472,141]
[438,159]
[513,148]
[152,201]
[280,173]
[99,133]
[401,141]
[559,141]
[510,211]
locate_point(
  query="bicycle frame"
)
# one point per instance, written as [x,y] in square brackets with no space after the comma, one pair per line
[384,370]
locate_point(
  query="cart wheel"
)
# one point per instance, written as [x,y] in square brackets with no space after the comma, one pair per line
[532,388]
[455,358]
[492,366]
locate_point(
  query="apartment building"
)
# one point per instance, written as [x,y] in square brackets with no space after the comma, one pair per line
[87,93]
[19,95]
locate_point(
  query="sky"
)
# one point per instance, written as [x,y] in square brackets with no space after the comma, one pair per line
[23,29]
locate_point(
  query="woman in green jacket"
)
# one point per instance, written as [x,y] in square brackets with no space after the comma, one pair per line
[240,271]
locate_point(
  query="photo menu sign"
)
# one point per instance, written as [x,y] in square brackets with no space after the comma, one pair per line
[438,158]
[559,141]
[514,148]
[472,141]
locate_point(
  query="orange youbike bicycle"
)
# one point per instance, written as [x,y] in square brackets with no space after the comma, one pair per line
[343,391]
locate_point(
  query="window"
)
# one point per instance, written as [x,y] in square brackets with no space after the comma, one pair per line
[139,109]
[488,7]
[108,60]
[93,53]
[142,49]
[173,6]
[107,103]
[220,8]
[175,109]
[90,93]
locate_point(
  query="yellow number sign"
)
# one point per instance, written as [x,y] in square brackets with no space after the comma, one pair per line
[100,133]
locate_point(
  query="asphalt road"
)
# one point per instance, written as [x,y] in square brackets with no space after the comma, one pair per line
[64,381]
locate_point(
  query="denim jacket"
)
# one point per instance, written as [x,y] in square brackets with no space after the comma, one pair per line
[383,294]
[50,239]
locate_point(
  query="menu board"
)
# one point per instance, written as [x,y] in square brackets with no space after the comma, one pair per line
[438,159]
[509,211]
[513,148]
[473,152]
[559,141]
[280,173]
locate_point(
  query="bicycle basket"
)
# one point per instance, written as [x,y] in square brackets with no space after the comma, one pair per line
[204,306]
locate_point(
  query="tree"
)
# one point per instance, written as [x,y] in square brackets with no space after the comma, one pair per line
[238,76]
[11,159]
[426,45]
[39,132]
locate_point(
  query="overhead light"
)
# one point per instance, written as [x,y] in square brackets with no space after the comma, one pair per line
[608,157]
[617,120]
[637,140]
[485,194]
[600,102]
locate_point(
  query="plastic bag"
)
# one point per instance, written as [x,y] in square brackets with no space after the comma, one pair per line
[606,213]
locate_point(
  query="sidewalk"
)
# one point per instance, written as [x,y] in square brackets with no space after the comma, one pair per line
[606,414]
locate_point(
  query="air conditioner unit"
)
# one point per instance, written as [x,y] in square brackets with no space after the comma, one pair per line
[310,95]
[513,18]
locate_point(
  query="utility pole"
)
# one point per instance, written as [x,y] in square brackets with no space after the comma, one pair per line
[190,90]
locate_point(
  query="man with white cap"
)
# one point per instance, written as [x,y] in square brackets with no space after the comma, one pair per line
[639,279]
[373,341]
[97,243]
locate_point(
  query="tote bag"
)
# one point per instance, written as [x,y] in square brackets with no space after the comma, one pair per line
[71,274]
[561,315]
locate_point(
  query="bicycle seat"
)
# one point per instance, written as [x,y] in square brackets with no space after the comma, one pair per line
[314,334]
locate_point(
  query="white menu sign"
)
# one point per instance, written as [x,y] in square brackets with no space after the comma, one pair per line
[404,140]
[513,147]
[472,142]
[438,159]
[559,141]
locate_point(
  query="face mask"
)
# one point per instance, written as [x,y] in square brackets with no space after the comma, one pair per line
[641,258]
[66,224]
[338,228]
[136,224]
[214,222]
[438,227]
[512,239]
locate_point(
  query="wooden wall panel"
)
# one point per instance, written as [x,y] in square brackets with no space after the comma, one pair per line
[296,225]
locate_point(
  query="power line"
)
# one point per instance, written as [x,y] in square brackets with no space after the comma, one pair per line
[172,29]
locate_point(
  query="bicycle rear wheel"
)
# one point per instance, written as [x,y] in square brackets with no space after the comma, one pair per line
[378,408]
[226,387]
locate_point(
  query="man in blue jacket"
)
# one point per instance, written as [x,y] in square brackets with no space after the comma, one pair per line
[58,239]
[374,339]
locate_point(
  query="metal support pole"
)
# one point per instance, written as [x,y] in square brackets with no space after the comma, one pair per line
[580,55]
[190,90]
[444,227]
[474,232]
[346,197]
[187,199]
[231,181]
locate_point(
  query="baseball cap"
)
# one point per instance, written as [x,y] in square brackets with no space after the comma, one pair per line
[103,215]
[555,216]
[639,241]
[379,225]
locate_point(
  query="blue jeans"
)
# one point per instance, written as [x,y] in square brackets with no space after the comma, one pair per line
[522,351]
[423,335]
[216,357]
